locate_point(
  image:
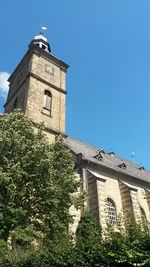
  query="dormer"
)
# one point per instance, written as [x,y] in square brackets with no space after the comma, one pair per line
[112,153]
[122,165]
[141,168]
[99,154]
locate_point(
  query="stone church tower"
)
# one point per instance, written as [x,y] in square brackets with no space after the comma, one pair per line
[38,86]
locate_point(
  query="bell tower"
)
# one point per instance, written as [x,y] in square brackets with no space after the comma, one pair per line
[38,86]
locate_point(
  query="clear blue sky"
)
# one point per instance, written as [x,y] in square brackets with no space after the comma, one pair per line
[107,45]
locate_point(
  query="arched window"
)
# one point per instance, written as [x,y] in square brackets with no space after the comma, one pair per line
[111,208]
[143,215]
[47,103]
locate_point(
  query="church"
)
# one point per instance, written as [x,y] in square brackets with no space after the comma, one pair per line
[114,186]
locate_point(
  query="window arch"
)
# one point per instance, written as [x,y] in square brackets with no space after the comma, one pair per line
[47,101]
[111,209]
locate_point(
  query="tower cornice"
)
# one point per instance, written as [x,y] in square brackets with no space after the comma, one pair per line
[37,50]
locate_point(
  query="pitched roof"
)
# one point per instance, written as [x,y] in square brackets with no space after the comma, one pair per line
[109,160]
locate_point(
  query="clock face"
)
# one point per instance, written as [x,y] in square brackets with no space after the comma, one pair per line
[49,69]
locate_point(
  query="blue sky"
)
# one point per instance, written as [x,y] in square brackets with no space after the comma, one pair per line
[107,45]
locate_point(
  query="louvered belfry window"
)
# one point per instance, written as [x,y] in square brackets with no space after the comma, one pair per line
[47,103]
[111,208]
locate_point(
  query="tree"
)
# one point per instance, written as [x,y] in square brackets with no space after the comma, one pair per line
[36,181]
[129,246]
[89,242]
[36,185]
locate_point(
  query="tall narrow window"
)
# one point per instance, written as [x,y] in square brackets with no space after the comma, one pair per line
[143,215]
[47,103]
[15,103]
[111,208]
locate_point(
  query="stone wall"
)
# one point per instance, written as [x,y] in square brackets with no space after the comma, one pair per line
[128,195]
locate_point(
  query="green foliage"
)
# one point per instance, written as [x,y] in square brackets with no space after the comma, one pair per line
[91,249]
[88,230]
[36,182]
[63,183]
[129,246]
[89,242]
[113,247]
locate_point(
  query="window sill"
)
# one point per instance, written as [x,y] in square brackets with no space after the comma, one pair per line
[46,112]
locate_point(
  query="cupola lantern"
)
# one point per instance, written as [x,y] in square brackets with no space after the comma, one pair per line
[41,41]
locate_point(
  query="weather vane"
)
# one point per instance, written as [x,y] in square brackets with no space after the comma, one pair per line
[43,29]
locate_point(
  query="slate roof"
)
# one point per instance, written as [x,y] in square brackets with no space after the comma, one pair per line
[108,159]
